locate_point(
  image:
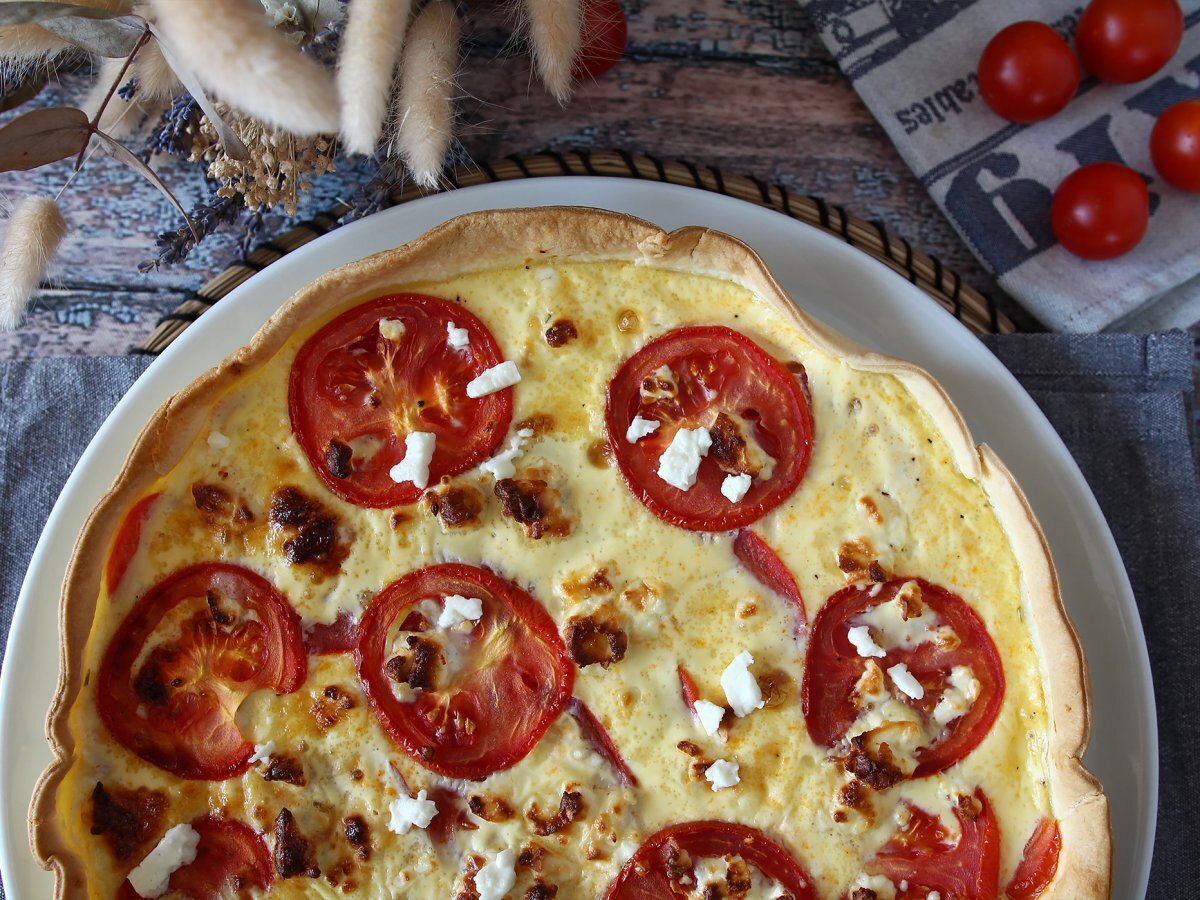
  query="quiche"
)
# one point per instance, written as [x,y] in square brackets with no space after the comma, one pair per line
[553,555]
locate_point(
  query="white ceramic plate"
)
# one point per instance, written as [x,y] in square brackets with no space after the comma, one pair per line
[836,283]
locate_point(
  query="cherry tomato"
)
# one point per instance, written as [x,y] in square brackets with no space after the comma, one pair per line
[1175,145]
[1123,41]
[655,869]
[509,681]
[1100,211]
[1039,862]
[355,395]
[603,32]
[765,565]
[193,647]
[922,854]
[129,536]
[833,668]
[1027,72]
[231,858]
[755,410]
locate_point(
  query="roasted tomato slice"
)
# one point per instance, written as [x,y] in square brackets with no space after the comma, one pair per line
[1038,862]
[923,856]
[668,864]
[382,371]
[468,699]
[193,647]
[129,536]
[939,641]
[231,859]
[754,410]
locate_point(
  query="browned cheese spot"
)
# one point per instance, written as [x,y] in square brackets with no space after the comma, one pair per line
[599,453]
[330,706]
[561,333]
[490,809]
[293,853]
[126,818]
[454,506]
[857,560]
[592,639]
[570,808]
[311,532]
[777,688]
[358,835]
[285,768]
[418,667]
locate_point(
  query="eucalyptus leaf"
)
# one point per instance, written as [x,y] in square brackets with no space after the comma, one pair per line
[232,144]
[41,137]
[114,37]
[123,154]
[24,12]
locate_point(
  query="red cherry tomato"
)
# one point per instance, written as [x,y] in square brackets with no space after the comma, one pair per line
[1100,211]
[833,668]
[768,569]
[1027,72]
[654,871]
[922,854]
[1123,41]
[231,858]
[1175,145]
[603,32]
[355,395]
[510,679]
[715,378]
[129,536]
[220,632]
[1038,862]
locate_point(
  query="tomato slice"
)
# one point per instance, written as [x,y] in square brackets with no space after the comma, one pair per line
[231,858]
[768,569]
[193,647]
[923,854]
[1038,863]
[715,378]
[498,685]
[129,536]
[355,395]
[657,869]
[597,738]
[833,668]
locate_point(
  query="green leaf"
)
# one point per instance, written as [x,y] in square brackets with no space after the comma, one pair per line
[122,154]
[42,137]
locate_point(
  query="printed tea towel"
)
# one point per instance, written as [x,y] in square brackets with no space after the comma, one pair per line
[914,61]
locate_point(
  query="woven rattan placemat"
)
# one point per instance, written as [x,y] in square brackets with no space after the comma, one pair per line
[975,310]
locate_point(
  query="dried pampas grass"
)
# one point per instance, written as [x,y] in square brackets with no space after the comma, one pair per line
[35,229]
[371,46]
[156,82]
[231,49]
[424,114]
[30,46]
[554,34]
[120,116]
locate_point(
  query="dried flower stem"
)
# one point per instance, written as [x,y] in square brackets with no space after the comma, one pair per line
[425,104]
[35,229]
[371,45]
[112,89]
[554,31]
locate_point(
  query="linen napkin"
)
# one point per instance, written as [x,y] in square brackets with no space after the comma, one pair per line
[914,61]
[1119,401]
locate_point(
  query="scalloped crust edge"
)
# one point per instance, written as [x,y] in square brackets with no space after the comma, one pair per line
[491,239]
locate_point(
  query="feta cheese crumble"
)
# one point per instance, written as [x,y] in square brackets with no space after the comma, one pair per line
[710,716]
[741,689]
[459,609]
[409,811]
[639,428]
[176,850]
[457,338]
[497,877]
[217,441]
[391,329]
[262,752]
[904,680]
[722,774]
[501,465]
[681,460]
[734,487]
[860,637]
[963,690]
[418,453]
[497,378]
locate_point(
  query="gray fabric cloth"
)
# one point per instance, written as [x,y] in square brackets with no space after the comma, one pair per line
[1119,401]
[914,64]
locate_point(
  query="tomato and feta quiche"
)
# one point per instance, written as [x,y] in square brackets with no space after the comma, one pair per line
[552,555]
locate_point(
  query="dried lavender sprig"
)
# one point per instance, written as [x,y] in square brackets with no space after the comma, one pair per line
[207,216]
[129,89]
[325,43]
[172,133]
[376,194]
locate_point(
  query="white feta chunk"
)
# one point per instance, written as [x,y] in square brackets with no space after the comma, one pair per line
[457,338]
[497,378]
[418,453]
[956,700]
[681,460]
[883,887]
[262,752]
[741,688]
[497,877]
[722,774]
[711,870]
[860,637]
[734,487]
[501,465]
[710,716]
[458,608]
[391,329]
[904,680]
[639,428]
[177,849]
[217,441]
[409,811]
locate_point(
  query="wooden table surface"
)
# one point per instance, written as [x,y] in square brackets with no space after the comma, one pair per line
[744,85]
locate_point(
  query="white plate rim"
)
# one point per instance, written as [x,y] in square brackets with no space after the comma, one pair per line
[897,318]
